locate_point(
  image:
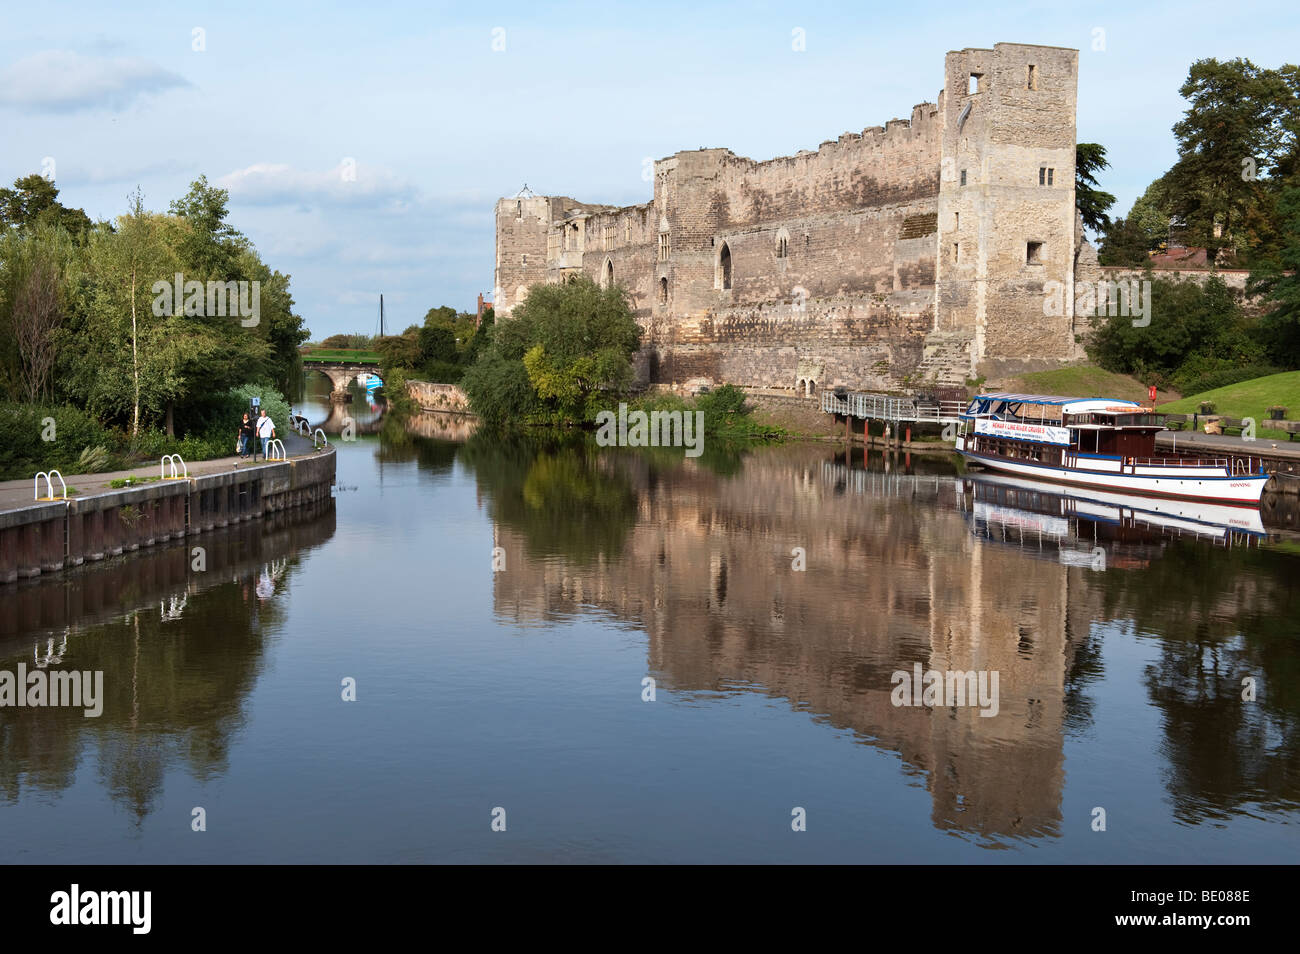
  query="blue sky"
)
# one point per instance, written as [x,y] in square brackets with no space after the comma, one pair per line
[438,124]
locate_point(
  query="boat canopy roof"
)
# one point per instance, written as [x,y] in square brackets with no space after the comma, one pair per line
[984,403]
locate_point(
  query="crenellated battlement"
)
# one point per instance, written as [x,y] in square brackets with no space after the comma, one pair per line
[847,257]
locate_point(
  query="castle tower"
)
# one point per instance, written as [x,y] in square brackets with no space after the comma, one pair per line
[523,222]
[1006,202]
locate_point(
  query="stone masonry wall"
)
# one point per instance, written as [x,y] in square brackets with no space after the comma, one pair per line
[1002,140]
[834,266]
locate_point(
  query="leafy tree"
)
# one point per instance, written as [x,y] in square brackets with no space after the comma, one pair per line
[500,391]
[348,341]
[1124,244]
[1197,326]
[442,316]
[278,326]
[117,330]
[134,353]
[33,270]
[217,350]
[1279,281]
[1231,132]
[1286,162]
[437,344]
[210,247]
[82,321]
[1091,201]
[564,353]
[445,335]
[398,351]
[34,199]
[1150,216]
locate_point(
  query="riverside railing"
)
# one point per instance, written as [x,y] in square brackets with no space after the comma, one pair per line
[883,407]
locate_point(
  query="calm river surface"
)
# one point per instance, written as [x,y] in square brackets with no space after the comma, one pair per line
[1120,651]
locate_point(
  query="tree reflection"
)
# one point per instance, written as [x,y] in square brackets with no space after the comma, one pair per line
[1221,620]
[179,652]
[561,494]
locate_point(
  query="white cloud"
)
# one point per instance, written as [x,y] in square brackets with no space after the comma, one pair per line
[99,173]
[348,183]
[61,81]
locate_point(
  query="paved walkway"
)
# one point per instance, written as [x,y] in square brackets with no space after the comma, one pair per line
[18,493]
[1224,444]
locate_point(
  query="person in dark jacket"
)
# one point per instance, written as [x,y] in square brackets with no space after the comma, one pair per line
[246,434]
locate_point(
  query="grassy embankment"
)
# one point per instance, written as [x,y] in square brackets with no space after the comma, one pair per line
[341,356]
[1250,398]
[1085,380]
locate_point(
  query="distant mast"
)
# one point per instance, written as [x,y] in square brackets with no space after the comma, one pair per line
[381,314]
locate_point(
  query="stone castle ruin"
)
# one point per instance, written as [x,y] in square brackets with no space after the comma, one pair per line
[906,256]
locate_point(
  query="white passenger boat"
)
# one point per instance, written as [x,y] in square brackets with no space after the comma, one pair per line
[1107,445]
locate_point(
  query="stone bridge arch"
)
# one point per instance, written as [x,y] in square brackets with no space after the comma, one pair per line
[340,375]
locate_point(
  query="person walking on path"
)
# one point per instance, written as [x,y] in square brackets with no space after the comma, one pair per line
[246,434]
[266,431]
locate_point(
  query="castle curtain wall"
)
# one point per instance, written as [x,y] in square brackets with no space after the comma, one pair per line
[866,262]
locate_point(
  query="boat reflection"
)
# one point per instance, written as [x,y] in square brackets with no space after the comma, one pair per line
[1099,529]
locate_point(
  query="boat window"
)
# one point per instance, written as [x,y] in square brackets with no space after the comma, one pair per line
[1139,420]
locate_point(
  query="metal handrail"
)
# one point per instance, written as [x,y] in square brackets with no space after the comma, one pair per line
[49,485]
[324,440]
[271,445]
[1178,461]
[885,407]
[176,474]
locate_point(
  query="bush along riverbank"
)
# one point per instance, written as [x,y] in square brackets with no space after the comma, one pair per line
[564,359]
[37,437]
[722,414]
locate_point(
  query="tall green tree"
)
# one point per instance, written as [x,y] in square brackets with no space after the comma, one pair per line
[1129,240]
[1278,280]
[1231,134]
[127,263]
[1150,216]
[34,271]
[565,353]
[216,352]
[35,199]
[1091,201]
[279,327]
[210,248]
[1124,244]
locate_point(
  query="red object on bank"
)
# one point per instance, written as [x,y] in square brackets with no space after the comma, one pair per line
[1151,393]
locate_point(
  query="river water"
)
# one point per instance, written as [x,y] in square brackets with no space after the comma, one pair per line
[634,657]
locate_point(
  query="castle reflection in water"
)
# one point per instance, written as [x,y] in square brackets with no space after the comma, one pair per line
[903,568]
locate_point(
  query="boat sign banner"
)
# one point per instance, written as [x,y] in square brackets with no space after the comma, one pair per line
[1042,433]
